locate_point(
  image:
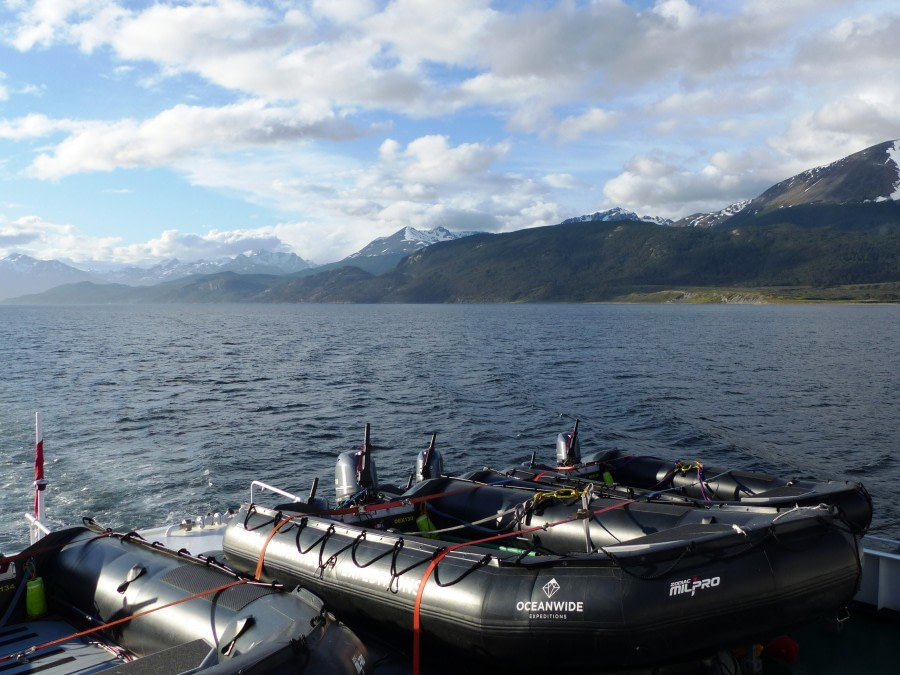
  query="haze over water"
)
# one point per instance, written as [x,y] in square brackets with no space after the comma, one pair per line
[155,413]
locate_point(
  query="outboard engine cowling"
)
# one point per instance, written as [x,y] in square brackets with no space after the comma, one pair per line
[355,471]
[347,478]
[568,450]
[429,463]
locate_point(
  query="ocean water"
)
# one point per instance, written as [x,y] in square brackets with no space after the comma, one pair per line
[155,413]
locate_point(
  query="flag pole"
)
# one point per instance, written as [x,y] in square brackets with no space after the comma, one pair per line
[39,483]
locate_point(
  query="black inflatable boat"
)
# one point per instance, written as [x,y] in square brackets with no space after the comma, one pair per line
[689,482]
[97,601]
[552,577]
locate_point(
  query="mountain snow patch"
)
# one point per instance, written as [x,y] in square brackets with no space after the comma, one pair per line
[894,154]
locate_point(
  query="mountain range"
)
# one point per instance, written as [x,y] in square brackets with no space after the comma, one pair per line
[23,275]
[832,226]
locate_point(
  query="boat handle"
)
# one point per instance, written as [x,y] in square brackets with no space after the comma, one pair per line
[133,573]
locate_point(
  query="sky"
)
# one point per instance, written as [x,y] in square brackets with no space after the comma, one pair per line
[135,132]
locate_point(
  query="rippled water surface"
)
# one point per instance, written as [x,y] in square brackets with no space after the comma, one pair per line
[157,412]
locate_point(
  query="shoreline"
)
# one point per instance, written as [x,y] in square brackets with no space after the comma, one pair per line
[861,294]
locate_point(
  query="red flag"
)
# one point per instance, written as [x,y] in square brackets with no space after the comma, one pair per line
[38,463]
[39,460]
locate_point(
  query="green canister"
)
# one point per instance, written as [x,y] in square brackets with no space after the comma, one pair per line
[35,599]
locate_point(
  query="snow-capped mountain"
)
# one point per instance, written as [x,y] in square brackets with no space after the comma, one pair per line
[21,274]
[405,241]
[24,275]
[870,175]
[267,262]
[616,214]
[711,219]
[257,262]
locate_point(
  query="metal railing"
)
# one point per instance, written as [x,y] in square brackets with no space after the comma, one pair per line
[37,529]
[271,488]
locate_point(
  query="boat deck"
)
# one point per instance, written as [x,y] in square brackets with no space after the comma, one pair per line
[76,655]
[86,655]
[866,643]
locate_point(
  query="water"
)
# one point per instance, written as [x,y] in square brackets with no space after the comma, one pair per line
[158,412]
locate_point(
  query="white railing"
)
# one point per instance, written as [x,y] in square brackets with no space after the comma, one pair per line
[37,529]
[270,488]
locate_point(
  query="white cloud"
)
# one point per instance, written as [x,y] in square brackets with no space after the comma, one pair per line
[344,11]
[722,100]
[15,235]
[710,101]
[649,185]
[209,246]
[43,22]
[862,46]
[414,56]
[35,126]
[431,159]
[592,121]
[348,202]
[564,181]
[49,240]
[680,12]
[420,31]
[840,127]
[172,135]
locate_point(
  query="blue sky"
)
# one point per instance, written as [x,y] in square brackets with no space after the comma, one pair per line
[132,132]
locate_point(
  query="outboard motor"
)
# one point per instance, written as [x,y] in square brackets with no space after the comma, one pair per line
[429,463]
[355,471]
[568,450]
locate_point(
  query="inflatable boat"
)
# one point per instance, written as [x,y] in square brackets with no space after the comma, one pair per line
[94,600]
[687,482]
[551,577]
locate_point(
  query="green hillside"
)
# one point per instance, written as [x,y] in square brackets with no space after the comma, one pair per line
[808,252]
[585,262]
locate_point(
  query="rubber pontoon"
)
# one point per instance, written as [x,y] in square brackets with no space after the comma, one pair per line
[561,578]
[686,482]
[105,601]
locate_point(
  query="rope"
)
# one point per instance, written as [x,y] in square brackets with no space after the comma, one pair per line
[371,508]
[471,524]
[561,493]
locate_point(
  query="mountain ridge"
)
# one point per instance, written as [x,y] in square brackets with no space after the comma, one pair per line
[616,214]
[870,175]
[831,225]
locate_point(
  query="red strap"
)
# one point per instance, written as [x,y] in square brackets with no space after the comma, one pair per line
[262,551]
[373,508]
[440,556]
[73,636]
